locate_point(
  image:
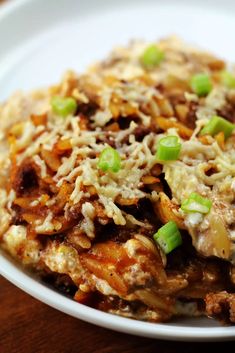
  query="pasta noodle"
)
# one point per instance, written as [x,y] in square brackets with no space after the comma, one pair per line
[118,185]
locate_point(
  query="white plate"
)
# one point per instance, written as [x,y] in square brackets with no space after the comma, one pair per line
[40,39]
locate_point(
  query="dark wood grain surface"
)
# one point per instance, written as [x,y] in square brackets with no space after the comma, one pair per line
[28,326]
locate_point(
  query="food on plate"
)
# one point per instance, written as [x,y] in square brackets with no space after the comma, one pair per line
[117,186]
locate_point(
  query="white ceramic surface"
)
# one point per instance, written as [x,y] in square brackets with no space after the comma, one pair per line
[40,39]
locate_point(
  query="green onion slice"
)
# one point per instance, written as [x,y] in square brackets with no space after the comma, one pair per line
[151,57]
[109,160]
[201,84]
[168,148]
[168,237]
[196,203]
[63,106]
[228,79]
[217,124]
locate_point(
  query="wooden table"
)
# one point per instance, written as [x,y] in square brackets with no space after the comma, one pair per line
[28,326]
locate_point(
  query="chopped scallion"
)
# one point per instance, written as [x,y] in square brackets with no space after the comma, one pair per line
[63,106]
[201,84]
[217,124]
[109,160]
[151,57]
[228,79]
[196,203]
[168,148]
[168,237]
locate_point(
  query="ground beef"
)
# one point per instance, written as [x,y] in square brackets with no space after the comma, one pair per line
[221,305]
[25,178]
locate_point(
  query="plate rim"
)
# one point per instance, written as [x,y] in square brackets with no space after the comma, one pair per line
[40,291]
[29,284]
